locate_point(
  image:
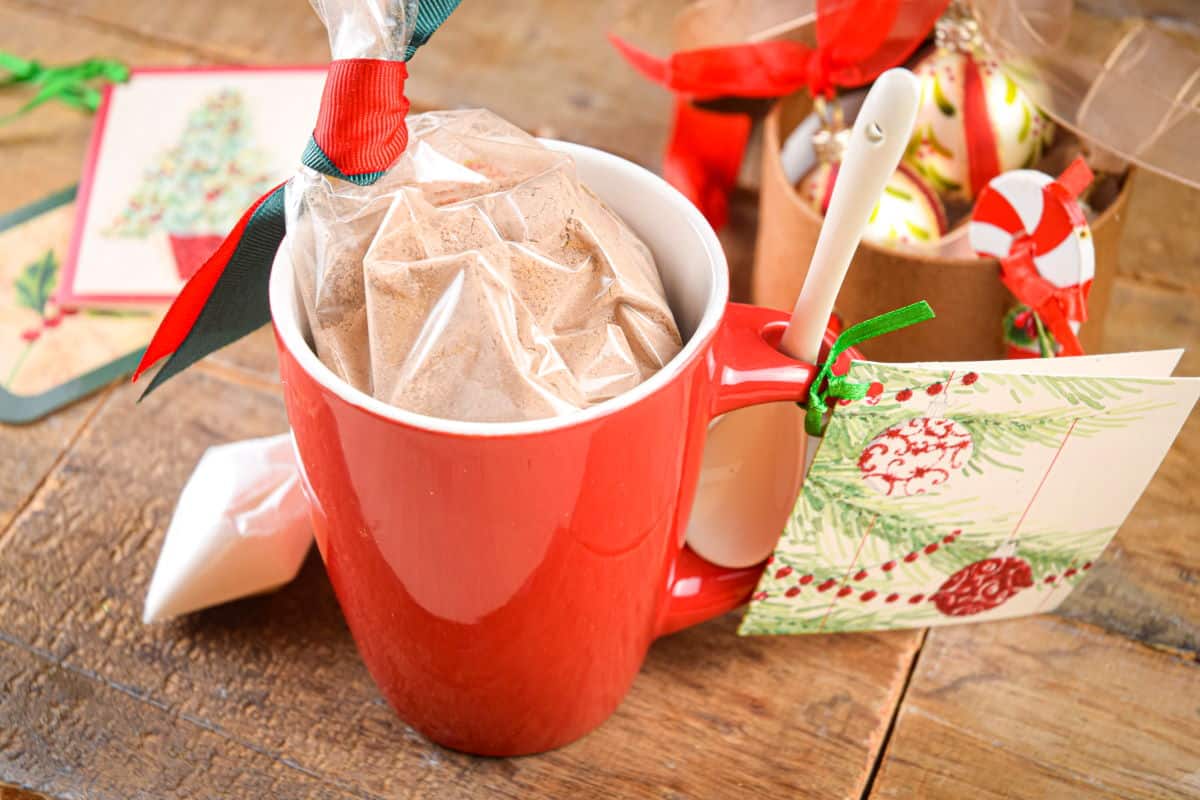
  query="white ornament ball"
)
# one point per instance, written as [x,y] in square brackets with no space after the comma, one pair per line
[908,213]
[942,134]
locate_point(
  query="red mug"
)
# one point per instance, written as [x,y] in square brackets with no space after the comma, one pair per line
[503,581]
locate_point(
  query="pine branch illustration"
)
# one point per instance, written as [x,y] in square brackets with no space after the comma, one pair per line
[840,503]
[1008,434]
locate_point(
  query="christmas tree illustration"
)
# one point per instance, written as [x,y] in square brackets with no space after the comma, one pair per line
[196,190]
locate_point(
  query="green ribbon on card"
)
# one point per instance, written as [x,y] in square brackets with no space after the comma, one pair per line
[827,385]
[75,85]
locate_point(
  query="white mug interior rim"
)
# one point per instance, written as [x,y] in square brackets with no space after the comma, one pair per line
[286,317]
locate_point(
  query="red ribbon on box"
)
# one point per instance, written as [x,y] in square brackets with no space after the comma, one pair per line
[856,41]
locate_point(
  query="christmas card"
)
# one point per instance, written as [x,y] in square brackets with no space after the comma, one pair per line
[50,356]
[968,492]
[176,156]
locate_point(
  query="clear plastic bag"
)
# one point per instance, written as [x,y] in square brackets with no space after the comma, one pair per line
[478,279]
[241,527]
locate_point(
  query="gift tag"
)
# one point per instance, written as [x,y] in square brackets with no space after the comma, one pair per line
[51,356]
[953,493]
[176,155]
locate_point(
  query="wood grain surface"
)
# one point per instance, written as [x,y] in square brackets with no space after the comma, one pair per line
[267,697]
[1043,707]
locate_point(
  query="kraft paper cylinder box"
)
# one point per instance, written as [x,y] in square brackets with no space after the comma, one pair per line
[966,293]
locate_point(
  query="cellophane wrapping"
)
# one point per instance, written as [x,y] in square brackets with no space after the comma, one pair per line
[478,279]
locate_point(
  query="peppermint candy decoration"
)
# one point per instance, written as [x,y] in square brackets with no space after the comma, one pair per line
[1034,226]
[983,586]
[915,456]
[1016,206]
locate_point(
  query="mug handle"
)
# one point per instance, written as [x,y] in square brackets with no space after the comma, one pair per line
[747,368]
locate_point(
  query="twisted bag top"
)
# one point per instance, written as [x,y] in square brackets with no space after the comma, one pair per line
[359,134]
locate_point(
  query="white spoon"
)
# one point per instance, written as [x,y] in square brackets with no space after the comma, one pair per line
[754,459]
[881,132]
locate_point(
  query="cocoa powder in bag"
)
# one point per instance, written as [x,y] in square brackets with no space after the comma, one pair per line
[479,280]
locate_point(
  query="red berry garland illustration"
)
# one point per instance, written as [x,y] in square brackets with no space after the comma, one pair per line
[951,593]
[915,456]
[909,459]
[983,586]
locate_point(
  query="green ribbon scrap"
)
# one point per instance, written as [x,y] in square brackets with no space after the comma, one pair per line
[73,84]
[827,385]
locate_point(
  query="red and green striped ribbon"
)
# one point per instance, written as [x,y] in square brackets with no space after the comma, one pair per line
[360,133]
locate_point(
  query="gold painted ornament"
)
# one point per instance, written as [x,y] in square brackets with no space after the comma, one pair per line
[974,121]
[908,213]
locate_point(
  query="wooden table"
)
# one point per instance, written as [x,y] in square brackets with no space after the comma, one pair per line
[267,697]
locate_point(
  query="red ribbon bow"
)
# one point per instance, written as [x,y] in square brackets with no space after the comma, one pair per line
[360,132]
[856,41]
[1056,307]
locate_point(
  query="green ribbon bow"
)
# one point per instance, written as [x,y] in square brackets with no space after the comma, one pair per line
[826,384]
[72,84]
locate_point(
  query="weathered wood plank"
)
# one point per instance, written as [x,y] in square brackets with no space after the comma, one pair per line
[1043,707]
[711,714]
[1145,316]
[541,65]
[1145,585]
[27,452]
[252,357]
[1160,246]
[67,733]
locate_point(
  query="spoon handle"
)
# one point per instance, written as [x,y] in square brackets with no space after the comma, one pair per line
[881,133]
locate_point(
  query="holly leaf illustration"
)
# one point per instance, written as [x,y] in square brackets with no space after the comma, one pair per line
[36,282]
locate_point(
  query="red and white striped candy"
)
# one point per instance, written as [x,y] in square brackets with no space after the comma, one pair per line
[1026,203]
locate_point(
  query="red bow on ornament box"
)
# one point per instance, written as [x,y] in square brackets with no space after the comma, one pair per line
[856,41]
